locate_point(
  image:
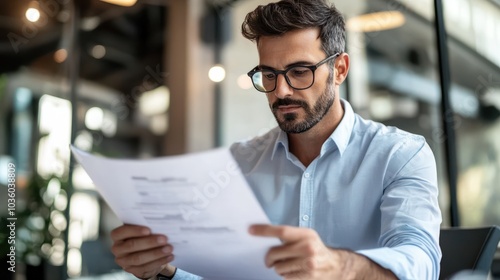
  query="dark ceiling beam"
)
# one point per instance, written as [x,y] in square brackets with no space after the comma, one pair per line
[23,47]
[36,48]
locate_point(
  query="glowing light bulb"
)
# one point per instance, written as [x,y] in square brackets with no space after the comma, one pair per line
[217,73]
[60,55]
[125,3]
[33,14]
[98,51]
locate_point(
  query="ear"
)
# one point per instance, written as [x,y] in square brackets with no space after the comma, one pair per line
[341,68]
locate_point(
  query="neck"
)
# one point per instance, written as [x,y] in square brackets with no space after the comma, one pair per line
[306,146]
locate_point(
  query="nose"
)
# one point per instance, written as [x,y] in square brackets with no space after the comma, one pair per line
[283,89]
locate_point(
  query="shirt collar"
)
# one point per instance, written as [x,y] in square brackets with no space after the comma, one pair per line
[340,137]
[281,140]
[343,132]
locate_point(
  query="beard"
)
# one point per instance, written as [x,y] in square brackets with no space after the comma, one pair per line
[289,123]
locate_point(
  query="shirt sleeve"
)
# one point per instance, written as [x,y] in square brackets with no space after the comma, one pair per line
[184,275]
[411,218]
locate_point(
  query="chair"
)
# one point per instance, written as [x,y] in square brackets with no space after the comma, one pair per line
[468,249]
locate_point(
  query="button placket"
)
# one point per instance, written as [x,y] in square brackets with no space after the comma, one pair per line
[306,197]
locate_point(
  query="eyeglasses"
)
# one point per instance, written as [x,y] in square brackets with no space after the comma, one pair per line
[298,77]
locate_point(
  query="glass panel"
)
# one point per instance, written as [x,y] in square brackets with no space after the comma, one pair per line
[473,27]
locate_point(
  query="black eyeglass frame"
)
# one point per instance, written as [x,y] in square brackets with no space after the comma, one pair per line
[284,72]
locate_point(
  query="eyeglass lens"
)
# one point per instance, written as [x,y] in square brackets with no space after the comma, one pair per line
[297,77]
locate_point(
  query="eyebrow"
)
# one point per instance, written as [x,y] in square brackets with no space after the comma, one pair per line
[298,63]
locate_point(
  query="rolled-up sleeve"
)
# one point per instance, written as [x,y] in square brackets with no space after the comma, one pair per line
[410,214]
[184,275]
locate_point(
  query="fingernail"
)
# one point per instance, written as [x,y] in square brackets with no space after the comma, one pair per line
[166,250]
[145,231]
[251,230]
[161,240]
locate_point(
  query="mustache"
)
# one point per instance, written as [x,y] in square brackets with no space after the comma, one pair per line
[287,102]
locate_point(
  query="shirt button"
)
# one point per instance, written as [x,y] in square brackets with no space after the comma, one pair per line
[305,218]
[307,175]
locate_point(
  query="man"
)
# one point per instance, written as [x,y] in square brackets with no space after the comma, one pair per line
[349,198]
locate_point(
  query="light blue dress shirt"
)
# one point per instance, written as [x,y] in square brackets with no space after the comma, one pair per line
[373,190]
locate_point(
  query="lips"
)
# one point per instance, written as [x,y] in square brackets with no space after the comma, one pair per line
[289,108]
[288,104]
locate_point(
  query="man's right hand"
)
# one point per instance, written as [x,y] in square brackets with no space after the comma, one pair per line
[139,252]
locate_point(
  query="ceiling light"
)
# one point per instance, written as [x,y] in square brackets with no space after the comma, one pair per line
[33,12]
[98,51]
[60,55]
[378,21]
[217,73]
[126,3]
[94,118]
[90,23]
[155,102]
[244,82]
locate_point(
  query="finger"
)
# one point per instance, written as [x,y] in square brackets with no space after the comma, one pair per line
[285,233]
[138,244]
[129,231]
[144,257]
[150,269]
[295,266]
[306,247]
[296,276]
[268,230]
[280,254]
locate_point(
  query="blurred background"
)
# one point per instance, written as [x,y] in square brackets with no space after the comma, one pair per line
[148,78]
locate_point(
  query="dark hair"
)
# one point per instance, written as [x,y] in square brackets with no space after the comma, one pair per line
[275,19]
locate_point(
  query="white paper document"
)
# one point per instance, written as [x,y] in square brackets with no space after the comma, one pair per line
[202,203]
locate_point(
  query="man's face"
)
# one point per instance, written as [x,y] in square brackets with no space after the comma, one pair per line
[297,111]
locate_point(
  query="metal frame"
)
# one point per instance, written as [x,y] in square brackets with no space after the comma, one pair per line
[447,111]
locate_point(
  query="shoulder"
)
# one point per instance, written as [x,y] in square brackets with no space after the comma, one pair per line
[395,148]
[386,139]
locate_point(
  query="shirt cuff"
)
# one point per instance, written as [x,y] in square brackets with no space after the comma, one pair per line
[184,275]
[406,262]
